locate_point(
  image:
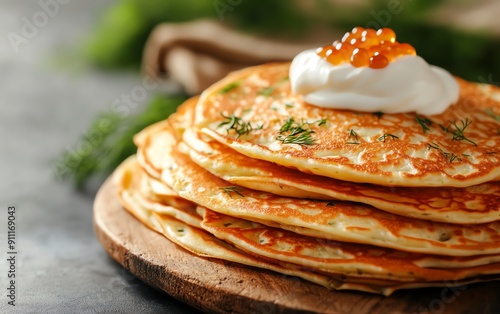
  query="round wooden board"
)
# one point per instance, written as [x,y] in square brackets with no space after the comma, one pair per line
[224,287]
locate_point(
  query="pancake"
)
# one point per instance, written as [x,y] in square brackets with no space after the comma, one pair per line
[129,178]
[352,260]
[177,226]
[259,115]
[175,126]
[185,234]
[342,221]
[471,205]
[250,173]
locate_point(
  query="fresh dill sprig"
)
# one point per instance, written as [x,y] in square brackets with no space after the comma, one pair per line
[268,91]
[229,87]
[235,123]
[303,138]
[386,135]
[298,133]
[425,123]
[458,133]
[450,157]
[353,135]
[232,189]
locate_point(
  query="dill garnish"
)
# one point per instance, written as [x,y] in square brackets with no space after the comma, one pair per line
[425,123]
[268,91]
[298,133]
[320,122]
[450,157]
[303,138]
[232,189]
[492,114]
[386,135]
[229,87]
[235,123]
[353,135]
[458,133]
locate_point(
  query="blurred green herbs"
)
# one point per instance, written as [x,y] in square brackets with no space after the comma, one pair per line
[120,37]
[108,141]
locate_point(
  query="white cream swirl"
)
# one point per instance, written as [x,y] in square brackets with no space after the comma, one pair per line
[407,84]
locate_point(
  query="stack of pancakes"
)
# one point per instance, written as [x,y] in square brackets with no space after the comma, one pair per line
[375,202]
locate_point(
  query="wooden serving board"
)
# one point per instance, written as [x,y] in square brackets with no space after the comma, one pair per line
[225,287]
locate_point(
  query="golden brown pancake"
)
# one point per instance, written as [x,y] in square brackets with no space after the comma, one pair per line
[471,205]
[348,200]
[184,233]
[129,178]
[175,126]
[352,260]
[342,221]
[460,147]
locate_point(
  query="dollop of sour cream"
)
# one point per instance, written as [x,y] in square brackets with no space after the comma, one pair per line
[407,84]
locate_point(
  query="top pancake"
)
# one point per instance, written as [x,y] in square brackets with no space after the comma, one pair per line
[460,147]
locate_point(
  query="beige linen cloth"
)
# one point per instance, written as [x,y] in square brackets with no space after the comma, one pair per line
[197,54]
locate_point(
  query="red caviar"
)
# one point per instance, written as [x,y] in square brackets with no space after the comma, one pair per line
[366,47]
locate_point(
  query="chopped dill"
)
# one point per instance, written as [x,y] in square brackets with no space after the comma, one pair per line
[268,91]
[302,137]
[298,133]
[353,135]
[386,135]
[232,189]
[450,157]
[229,87]
[320,122]
[458,133]
[425,123]
[235,123]
[492,114]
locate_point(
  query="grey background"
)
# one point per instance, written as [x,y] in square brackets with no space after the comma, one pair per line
[48,97]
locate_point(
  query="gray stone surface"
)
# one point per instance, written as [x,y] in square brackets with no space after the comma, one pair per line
[47,99]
